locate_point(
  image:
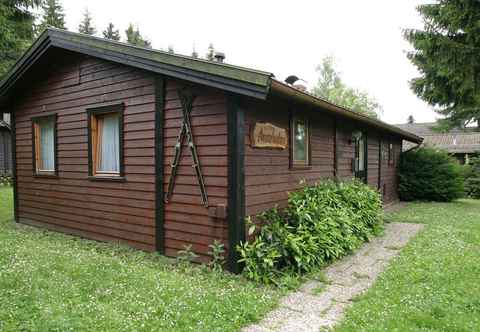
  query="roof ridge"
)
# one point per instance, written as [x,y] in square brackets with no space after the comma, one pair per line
[154,50]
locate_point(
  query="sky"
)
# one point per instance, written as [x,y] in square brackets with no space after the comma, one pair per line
[285,38]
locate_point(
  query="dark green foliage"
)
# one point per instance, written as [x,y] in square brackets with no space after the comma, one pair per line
[86,26]
[320,224]
[111,33]
[472,178]
[53,15]
[135,38]
[446,54]
[16,30]
[5,180]
[427,174]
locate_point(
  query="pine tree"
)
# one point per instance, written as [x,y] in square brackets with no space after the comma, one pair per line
[447,53]
[111,33]
[135,38]
[53,15]
[410,119]
[210,53]
[16,30]
[86,26]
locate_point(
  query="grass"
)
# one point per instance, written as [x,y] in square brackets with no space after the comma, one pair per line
[54,282]
[434,284]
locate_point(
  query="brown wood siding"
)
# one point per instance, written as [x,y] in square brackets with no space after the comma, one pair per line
[106,211]
[372,173]
[268,176]
[186,220]
[345,149]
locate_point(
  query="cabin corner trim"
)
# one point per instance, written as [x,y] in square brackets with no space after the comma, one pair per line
[236,180]
[159,169]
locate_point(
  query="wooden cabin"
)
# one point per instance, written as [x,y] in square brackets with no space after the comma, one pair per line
[119,143]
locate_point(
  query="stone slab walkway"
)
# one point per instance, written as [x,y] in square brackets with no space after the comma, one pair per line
[321,305]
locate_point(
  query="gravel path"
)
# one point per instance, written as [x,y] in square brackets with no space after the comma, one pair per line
[321,305]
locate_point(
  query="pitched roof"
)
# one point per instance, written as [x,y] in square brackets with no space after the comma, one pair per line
[458,140]
[240,80]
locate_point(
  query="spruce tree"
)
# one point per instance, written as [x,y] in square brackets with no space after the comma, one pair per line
[111,33]
[446,53]
[16,30]
[135,38]
[53,15]
[86,26]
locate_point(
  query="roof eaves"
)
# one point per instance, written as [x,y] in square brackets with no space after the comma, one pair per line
[37,49]
[287,90]
[231,78]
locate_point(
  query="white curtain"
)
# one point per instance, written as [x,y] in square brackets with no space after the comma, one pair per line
[47,149]
[300,149]
[109,148]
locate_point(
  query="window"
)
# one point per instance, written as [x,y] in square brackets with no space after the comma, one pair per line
[360,161]
[105,142]
[300,142]
[44,145]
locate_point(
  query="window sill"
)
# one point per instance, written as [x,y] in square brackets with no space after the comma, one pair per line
[107,178]
[300,167]
[45,175]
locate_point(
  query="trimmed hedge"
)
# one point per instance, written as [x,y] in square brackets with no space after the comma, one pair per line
[472,178]
[426,174]
[320,224]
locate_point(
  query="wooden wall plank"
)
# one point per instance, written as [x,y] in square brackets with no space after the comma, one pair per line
[268,176]
[186,220]
[113,211]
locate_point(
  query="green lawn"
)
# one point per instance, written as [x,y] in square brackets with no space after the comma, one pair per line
[53,282]
[434,285]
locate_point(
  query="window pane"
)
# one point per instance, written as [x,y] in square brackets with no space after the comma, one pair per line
[47,148]
[109,144]
[361,154]
[299,141]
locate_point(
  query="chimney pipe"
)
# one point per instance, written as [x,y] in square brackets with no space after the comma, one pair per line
[219,57]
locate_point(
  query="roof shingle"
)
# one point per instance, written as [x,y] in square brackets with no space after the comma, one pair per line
[458,140]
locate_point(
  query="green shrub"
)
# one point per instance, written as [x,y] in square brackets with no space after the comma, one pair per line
[426,174]
[5,180]
[320,224]
[472,178]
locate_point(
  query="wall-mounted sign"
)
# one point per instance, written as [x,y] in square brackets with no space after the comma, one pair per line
[266,135]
